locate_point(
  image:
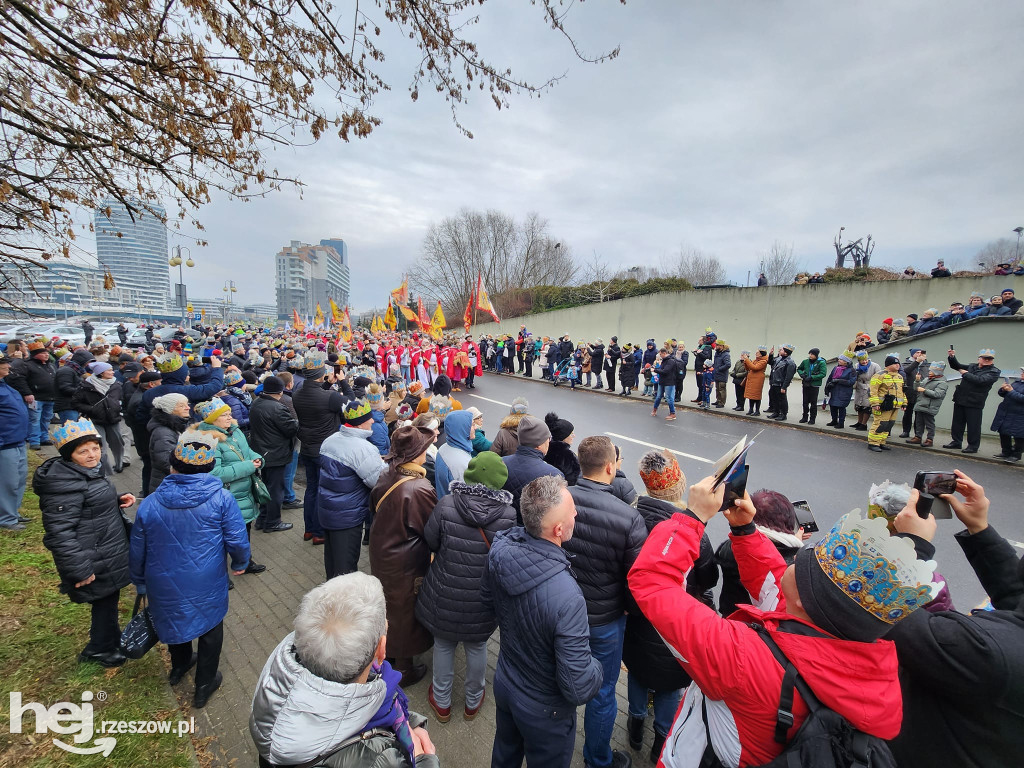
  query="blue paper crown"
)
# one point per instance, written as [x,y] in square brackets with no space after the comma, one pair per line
[880,573]
[314,360]
[196,448]
[986,353]
[440,405]
[72,430]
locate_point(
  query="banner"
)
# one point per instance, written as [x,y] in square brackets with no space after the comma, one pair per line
[421,316]
[335,312]
[438,320]
[345,332]
[401,293]
[202,315]
[297,324]
[467,318]
[408,314]
[483,301]
[318,318]
[389,317]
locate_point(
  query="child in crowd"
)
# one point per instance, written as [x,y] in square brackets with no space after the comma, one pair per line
[707,384]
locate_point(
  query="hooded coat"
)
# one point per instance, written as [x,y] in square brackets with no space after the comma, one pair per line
[298,717]
[164,429]
[460,532]
[83,528]
[1009,418]
[723,364]
[453,457]
[839,386]
[507,439]
[753,389]
[181,536]
[399,555]
[234,466]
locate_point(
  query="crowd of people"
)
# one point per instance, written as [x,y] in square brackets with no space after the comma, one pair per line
[534,532]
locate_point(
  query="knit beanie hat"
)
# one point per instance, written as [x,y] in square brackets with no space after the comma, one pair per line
[533,432]
[486,468]
[560,428]
[814,351]
[167,403]
[845,359]
[211,410]
[937,367]
[891,360]
[857,581]
[273,385]
[442,386]
[662,476]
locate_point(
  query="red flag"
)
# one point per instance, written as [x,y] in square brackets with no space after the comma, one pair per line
[422,317]
[483,301]
[467,318]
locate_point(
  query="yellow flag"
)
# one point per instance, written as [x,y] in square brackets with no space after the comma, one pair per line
[335,312]
[438,320]
[318,318]
[389,317]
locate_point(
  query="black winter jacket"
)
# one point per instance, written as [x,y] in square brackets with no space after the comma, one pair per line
[607,540]
[597,359]
[963,676]
[449,603]
[561,457]
[102,409]
[644,653]
[975,385]
[545,639]
[783,370]
[65,383]
[611,357]
[319,414]
[41,378]
[164,429]
[668,371]
[84,528]
[622,488]
[723,366]
[525,465]
[733,592]
[271,430]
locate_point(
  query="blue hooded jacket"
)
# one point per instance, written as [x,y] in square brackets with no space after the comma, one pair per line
[180,536]
[174,381]
[453,457]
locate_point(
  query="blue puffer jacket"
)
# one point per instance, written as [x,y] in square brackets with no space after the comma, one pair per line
[174,381]
[181,534]
[239,408]
[379,434]
[525,465]
[839,386]
[545,638]
[1009,418]
[349,468]
[453,457]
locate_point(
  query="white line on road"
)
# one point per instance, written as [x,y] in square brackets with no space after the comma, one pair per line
[1017,544]
[496,402]
[660,448]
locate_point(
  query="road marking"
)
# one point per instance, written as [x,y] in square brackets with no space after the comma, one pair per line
[496,402]
[660,448]
[1017,544]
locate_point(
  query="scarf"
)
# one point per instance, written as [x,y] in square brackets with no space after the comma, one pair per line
[412,469]
[100,384]
[394,712]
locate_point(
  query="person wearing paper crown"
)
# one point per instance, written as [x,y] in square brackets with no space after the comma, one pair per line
[182,534]
[85,532]
[173,374]
[969,398]
[826,613]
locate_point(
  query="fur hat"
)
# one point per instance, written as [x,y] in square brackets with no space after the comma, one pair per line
[662,476]
[442,386]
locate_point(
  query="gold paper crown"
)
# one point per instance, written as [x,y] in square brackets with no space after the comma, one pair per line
[72,430]
[170,362]
[196,448]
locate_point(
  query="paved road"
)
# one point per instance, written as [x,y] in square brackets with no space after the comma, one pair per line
[832,472]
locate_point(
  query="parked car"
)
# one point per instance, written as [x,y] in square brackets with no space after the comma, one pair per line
[109,331]
[137,338]
[12,332]
[73,334]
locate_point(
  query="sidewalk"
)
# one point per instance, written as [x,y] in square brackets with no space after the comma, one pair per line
[262,609]
[989,440]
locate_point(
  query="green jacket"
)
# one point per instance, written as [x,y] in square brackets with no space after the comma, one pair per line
[480,443]
[234,466]
[812,373]
[934,393]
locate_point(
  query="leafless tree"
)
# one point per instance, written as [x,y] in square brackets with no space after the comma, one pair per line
[595,279]
[509,255]
[150,103]
[778,264]
[696,266]
[1002,251]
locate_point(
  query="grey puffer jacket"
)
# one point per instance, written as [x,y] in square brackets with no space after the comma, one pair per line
[299,718]
[931,399]
[84,529]
[449,603]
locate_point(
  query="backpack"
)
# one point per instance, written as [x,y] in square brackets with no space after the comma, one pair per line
[825,739]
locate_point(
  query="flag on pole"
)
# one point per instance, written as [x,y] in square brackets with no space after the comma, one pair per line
[483,301]
[389,317]
[202,315]
[401,293]
[467,318]
[345,332]
[438,320]
[421,316]
[335,312]
[408,314]
[297,324]
[318,318]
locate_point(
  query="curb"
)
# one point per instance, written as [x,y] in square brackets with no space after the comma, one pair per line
[687,406]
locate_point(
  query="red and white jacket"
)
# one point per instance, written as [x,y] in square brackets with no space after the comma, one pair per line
[731,666]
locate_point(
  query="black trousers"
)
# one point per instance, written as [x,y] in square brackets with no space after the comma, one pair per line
[104,632]
[470,376]
[1007,443]
[839,415]
[810,403]
[341,550]
[778,401]
[519,361]
[738,388]
[529,367]
[679,388]
[270,513]
[524,728]
[208,650]
[970,418]
[908,415]
[609,374]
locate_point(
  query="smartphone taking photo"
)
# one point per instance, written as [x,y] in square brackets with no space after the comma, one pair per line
[934,483]
[804,516]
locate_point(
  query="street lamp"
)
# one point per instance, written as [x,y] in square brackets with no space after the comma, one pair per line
[64,302]
[1016,258]
[229,288]
[175,261]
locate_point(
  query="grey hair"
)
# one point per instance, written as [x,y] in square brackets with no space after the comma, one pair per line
[520,405]
[339,625]
[539,497]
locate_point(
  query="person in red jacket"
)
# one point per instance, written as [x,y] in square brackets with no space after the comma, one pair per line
[826,612]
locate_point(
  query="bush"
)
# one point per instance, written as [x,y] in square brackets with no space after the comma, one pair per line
[545,298]
[862,275]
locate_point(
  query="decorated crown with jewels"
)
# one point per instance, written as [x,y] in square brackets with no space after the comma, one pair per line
[879,572]
[196,448]
[72,430]
[170,362]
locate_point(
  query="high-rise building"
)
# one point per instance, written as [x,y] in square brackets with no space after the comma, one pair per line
[306,275]
[341,272]
[135,249]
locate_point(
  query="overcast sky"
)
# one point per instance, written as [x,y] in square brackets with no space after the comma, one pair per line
[721,125]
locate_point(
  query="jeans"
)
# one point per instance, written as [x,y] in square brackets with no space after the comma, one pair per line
[545,736]
[498,364]
[67,415]
[405,373]
[39,415]
[444,671]
[104,632]
[209,644]
[13,478]
[270,514]
[599,719]
[310,518]
[289,477]
[665,705]
[341,551]
[668,392]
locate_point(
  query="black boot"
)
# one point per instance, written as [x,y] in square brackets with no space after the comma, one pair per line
[635,731]
[659,742]
[204,692]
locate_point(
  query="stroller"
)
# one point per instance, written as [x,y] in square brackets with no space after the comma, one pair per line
[560,374]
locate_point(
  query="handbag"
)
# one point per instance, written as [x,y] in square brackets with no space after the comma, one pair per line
[260,492]
[139,635]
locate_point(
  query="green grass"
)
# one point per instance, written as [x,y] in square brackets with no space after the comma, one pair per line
[41,635]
